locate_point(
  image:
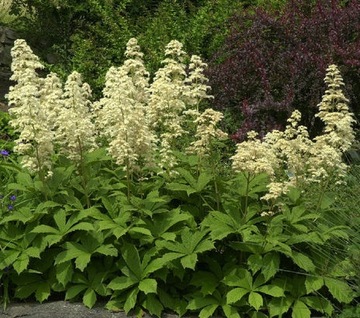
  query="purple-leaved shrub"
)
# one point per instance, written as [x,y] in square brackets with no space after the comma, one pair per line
[275,62]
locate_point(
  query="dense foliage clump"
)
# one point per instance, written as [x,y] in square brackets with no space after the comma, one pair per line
[131,199]
[274,62]
[90,36]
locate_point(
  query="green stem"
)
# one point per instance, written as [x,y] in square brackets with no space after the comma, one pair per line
[247,176]
[41,172]
[82,172]
[6,291]
[128,178]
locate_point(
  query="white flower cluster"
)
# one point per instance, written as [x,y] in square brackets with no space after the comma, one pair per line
[121,114]
[254,157]
[30,110]
[292,151]
[206,132]
[75,129]
[138,122]
[47,116]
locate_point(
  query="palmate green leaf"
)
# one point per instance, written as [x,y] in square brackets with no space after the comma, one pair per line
[203,181]
[293,194]
[258,314]
[132,259]
[21,263]
[107,250]
[300,310]
[313,283]
[42,291]
[74,251]
[131,300]
[89,298]
[160,224]
[44,229]
[195,241]
[24,291]
[117,225]
[174,186]
[44,207]
[75,290]
[271,263]
[230,311]
[140,231]
[33,284]
[239,277]
[160,263]
[189,261]
[339,289]
[153,305]
[8,257]
[82,260]
[207,281]
[236,294]
[311,237]
[200,302]
[188,177]
[191,242]
[319,303]
[303,261]
[271,290]
[122,283]
[255,300]
[221,225]
[208,311]
[177,305]
[64,273]
[148,285]
[24,179]
[255,263]
[23,215]
[280,306]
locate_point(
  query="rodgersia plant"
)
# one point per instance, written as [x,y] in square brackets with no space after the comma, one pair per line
[30,110]
[291,158]
[75,130]
[121,114]
[167,103]
[201,241]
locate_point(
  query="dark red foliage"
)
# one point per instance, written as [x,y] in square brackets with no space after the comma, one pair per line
[273,63]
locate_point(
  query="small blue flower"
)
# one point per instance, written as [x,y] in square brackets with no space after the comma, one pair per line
[4,153]
[10,207]
[13,198]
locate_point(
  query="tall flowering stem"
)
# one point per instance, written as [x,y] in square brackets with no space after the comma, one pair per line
[76,132]
[120,115]
[304,161]
[30,111]
[167,104]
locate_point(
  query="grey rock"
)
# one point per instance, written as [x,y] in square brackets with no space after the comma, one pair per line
[7,38]
[62,309]
[11,35]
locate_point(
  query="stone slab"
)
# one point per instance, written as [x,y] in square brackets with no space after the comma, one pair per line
[62,309]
